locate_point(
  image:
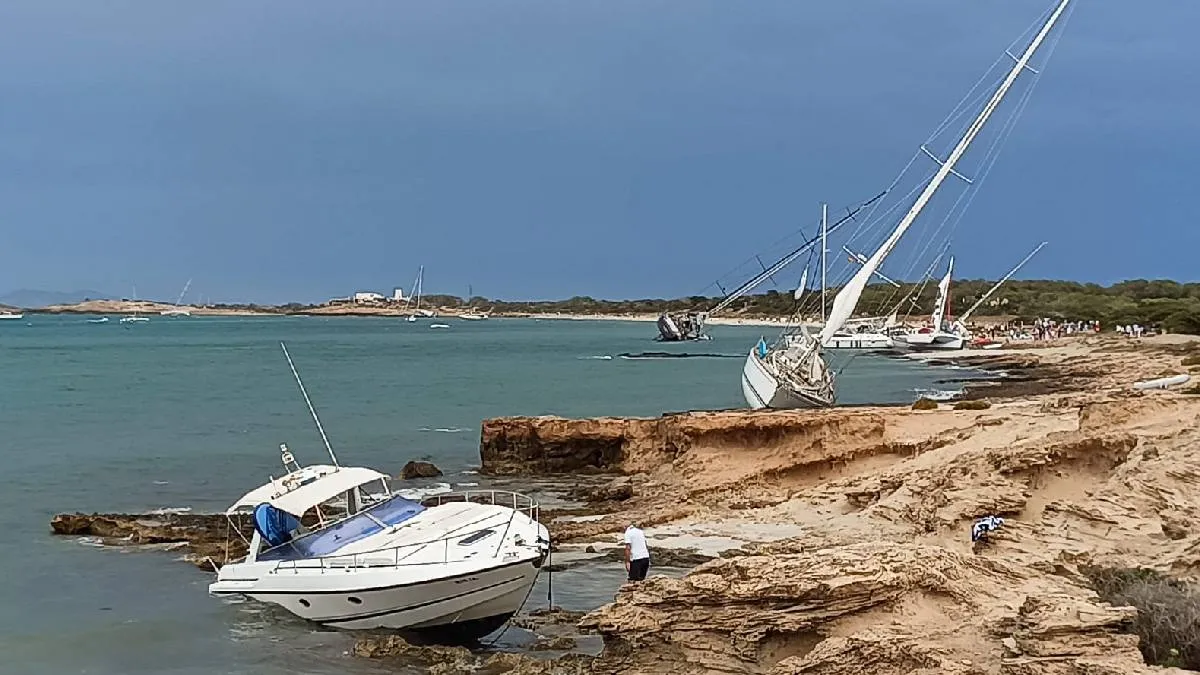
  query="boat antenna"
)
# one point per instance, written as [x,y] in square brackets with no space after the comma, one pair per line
[310,406]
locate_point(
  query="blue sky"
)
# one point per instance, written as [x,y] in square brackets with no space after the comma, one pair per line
[279,151]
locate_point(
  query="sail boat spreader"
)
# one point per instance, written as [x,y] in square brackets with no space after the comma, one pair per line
[792,373]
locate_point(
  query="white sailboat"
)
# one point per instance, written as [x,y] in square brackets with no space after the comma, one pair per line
[941,333]
[867,333]
[471,314]
[178,309]
[954,335]
[415,297]
[136,318]
[792,373]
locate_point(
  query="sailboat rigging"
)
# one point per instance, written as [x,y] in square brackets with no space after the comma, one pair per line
[690,325]
[792,373]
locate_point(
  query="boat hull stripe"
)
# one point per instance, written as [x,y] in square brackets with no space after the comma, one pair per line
[250,591]
[385,612]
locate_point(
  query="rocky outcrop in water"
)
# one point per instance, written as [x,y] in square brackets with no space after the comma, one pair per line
[206,538]
[416,469]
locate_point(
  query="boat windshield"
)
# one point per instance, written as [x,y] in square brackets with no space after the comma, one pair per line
[328,540]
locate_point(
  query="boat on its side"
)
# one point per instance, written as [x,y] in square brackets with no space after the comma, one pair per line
[792,372]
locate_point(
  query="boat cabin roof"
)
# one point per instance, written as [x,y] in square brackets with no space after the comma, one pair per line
[301,490]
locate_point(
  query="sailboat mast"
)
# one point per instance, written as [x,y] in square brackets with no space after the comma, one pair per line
[850,293]
[824,250]
[420,281]
[307,401]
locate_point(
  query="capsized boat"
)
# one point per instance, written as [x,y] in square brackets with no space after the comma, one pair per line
[332,544]
[178,309]
[792,372]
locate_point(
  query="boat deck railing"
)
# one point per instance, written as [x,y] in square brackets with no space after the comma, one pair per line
[417,553]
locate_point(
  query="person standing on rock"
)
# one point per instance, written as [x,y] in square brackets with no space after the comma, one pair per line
[637,554]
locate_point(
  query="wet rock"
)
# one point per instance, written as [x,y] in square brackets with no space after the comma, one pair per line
[416,469]
[924,404]
[207,538]
[438,659]
[537,619]
[520,664]
[617,491]
[552,643]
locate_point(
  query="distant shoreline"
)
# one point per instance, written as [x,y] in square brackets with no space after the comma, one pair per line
[150,308]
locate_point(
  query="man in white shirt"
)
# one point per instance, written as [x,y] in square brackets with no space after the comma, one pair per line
[637,554]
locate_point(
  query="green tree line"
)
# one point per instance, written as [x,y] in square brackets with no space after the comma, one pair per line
[1172,305]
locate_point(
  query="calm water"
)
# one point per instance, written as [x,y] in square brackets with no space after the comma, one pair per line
[190,412]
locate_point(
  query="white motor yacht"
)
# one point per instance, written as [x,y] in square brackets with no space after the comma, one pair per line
[365,558]
[334,545]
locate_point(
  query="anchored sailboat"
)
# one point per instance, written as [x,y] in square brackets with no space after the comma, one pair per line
[792,373]
[416,296]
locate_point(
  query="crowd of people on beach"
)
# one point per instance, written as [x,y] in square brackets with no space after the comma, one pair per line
[1051,329]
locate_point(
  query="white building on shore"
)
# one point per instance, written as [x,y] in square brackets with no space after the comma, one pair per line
[368,296]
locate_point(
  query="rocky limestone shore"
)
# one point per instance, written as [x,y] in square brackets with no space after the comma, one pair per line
[836,542]
[844,534]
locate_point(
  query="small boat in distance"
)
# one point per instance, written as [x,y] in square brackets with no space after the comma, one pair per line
[474,316]
[136,318]
[415,298]
[10,316]
[102,319]
[178,310]
[334,545]
[439,325]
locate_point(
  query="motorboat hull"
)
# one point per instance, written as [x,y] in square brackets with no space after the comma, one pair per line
[682,327]
[668,330]
[763,390]
[931,341]
[860,341]
[379,599]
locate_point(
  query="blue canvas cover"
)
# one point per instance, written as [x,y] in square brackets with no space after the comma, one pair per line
[275,526]
[326,541]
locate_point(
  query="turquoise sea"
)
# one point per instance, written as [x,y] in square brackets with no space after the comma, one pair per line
[189,413]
